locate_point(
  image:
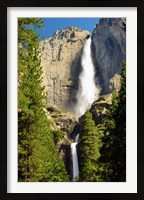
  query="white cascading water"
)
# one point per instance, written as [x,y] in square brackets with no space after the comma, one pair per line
[75,159]
[87,92]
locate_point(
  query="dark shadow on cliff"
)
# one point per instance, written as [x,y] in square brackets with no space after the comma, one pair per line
[75,70]
[75,131]
[107,62]
[67,157]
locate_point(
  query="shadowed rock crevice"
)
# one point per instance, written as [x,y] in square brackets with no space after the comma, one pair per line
[75,71]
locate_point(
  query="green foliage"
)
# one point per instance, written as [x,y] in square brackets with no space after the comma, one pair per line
[102,149]
[37,156]
[90,143]
[114,142]
[26,31]
[58,135]
[53,109]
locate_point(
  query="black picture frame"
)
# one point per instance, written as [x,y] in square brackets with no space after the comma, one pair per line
[4,4]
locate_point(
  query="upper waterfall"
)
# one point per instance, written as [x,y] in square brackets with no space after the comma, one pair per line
[87,92]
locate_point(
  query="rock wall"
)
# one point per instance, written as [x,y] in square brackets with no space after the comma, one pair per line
[61,64]
[100,107]
[61,60]
[65,122]
[108,51]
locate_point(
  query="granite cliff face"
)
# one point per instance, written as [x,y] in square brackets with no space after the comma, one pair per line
[61,64]
[61,57]
[108,51]
[100,107]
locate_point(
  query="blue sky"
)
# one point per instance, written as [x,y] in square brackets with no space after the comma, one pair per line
[51,25]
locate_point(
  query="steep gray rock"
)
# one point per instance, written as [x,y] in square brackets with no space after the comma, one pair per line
[61,60]
[61,65]
[108,51]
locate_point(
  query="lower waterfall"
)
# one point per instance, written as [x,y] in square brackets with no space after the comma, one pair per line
[75,159]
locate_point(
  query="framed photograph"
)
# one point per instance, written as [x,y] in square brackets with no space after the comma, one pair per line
[72,77]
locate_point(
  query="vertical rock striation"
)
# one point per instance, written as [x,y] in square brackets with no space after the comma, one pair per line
[109,50]
[61,64]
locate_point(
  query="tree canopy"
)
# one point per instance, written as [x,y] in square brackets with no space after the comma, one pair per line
[102,149]
[37,156]
[89,147]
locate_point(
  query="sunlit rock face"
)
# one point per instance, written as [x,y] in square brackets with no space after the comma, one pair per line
[63,58]
[108,51]
[61,65]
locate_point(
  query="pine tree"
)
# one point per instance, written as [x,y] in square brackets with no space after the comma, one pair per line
[37,159]
[114,142]
[102,152]
[89,146]
[119,153]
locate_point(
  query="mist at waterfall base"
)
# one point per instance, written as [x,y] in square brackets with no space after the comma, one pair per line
[88,91]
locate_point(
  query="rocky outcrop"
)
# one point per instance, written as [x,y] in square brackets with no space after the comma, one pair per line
[61,64]
[99,108]
[114,83]
[63,122]
[108,51]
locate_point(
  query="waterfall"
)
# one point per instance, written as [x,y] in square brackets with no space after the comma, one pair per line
[75,158]
[87,92]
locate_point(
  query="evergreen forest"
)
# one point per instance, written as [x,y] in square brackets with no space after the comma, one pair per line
[102,146]
[38,159]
